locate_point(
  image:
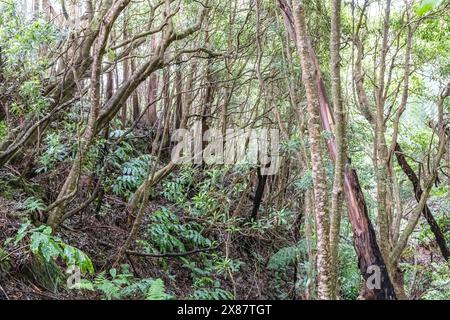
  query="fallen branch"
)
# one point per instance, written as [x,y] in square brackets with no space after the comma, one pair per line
[162,255]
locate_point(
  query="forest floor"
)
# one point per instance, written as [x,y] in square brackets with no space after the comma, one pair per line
[100,237]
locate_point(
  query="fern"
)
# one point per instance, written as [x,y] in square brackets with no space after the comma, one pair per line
[157,291]
[3,130]
[138,288]
[212,294]
[287,256]
[32,204]
[109,288]
[55,152]
[167,233]
[209,289]
[124,285]
[134,172]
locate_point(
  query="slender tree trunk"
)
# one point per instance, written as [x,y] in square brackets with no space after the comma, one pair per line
[135,95]
[259,192]
[178,94]
[339,130]
[126,74]
[309,227]
[164,125]
[152,93]
[366,247]
[412,176]
[36,5]
[318,167]
[381,158]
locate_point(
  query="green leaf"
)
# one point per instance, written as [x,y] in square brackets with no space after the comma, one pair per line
[69,255]
[83,261]
[47,231]
[427,5]
[156,291]
[21,233]
[36,240]
[86,285]
[50,250]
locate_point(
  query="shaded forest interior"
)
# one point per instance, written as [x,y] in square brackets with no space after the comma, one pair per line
[241,149]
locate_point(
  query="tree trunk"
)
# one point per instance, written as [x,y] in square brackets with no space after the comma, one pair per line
[134,96]
[338,111]
[318,166]
[126,75]
[364,238]
[152,93]
[70,186]
[178,94]
[381,151]
[259,192]
[440,238]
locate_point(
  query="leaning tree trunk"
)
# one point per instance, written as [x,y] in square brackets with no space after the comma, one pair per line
[364,238]
[412,176]
[70,186]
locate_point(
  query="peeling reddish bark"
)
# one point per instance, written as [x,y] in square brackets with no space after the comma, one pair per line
[364,237]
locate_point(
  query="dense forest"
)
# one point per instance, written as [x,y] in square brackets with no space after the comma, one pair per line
[212,150]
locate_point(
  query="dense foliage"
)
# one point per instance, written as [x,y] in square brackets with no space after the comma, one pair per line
[93,204]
